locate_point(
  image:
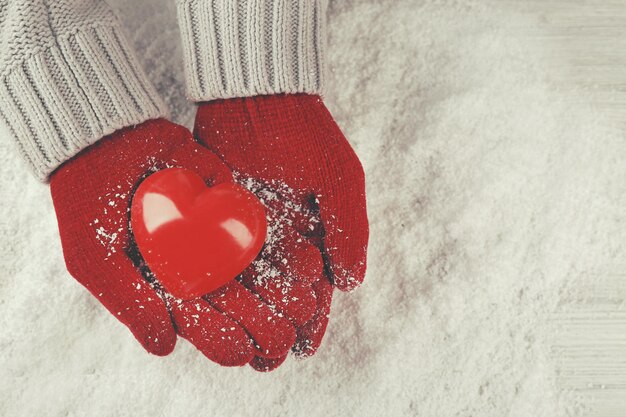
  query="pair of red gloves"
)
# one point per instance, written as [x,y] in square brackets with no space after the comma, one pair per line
[285,148]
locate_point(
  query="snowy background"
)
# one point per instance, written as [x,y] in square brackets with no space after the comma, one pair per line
[497,195]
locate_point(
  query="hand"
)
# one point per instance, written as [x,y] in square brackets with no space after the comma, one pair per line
[91,195]
[292,143]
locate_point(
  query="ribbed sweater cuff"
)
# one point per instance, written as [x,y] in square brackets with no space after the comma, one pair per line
[253,47]
[61,99]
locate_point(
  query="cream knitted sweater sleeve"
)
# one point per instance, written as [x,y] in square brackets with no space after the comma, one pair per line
[67,78]
[252,47]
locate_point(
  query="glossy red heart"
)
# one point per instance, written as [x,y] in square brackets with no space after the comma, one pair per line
[195,238]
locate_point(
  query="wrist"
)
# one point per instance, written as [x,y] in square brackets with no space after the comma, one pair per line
[64,98]
[281,51]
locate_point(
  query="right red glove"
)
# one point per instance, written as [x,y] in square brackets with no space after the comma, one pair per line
[292,144]
[231,326]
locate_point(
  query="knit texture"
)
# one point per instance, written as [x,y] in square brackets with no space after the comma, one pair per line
[254,47]
[67,78]
[293,140]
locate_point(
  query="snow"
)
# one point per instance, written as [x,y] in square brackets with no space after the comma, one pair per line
[491,193]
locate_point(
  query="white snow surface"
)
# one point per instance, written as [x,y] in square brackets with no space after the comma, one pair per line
[490,193]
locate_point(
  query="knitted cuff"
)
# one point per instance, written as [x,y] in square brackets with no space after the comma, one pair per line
[65,97]
[254,47]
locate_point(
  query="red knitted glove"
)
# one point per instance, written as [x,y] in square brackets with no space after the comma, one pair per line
[91,195]
[292,143]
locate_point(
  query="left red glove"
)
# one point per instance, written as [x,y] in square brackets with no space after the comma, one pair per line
[91,195]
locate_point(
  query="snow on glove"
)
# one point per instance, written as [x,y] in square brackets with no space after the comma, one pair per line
[293,143]
[291,256]
[91,195]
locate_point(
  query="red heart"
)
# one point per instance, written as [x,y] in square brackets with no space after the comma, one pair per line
[195,239]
